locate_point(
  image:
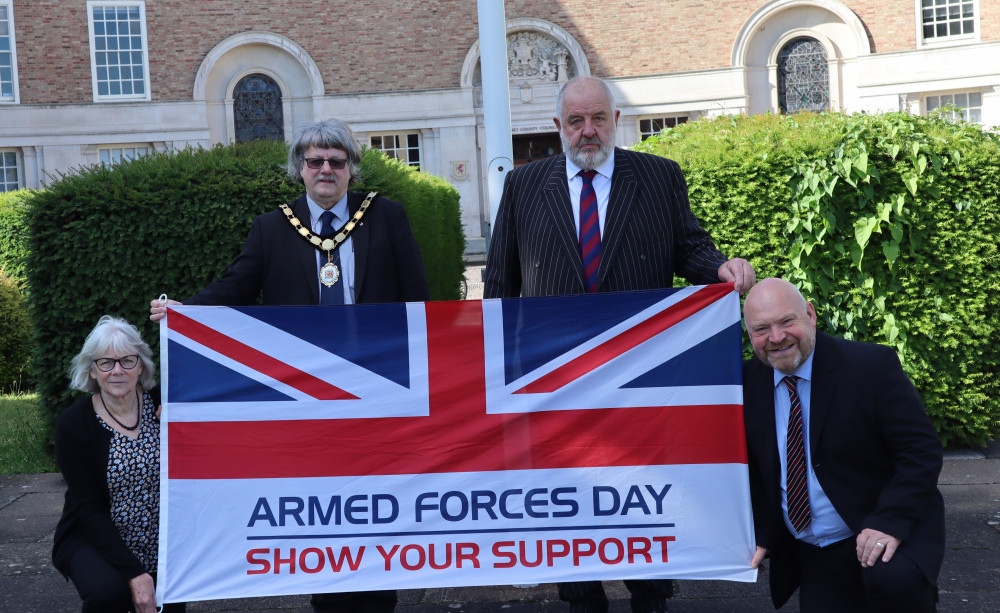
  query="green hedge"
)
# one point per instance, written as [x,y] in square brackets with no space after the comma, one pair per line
[109,239]
[15,337]
[14,233]
[888,223]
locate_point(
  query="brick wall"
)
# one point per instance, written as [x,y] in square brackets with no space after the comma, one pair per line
[388,45]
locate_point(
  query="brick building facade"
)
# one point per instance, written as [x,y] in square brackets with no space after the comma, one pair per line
[88,81]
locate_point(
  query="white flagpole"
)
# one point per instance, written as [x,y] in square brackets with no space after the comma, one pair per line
[496,102]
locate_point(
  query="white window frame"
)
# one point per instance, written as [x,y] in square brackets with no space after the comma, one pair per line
[122,152]
[943,41]
[91,5]
[677,119]
[16,98]
[19,167]
[393,152]
[925,103]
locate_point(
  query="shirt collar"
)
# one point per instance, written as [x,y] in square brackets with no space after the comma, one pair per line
[804,371]
[339,210]
[604,169]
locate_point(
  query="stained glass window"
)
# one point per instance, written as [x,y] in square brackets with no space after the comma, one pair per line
[257,110]
[803,76]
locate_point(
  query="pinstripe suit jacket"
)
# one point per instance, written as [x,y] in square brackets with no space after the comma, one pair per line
[649,233]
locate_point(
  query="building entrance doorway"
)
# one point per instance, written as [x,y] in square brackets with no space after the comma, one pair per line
[532,147]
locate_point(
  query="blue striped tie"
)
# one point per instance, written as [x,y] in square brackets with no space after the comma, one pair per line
[590,230]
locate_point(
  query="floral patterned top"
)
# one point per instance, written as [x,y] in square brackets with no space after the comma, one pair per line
[134,485]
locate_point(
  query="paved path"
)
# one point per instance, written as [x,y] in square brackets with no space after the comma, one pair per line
[970,579]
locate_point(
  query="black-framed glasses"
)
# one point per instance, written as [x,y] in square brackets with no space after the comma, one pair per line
[317,163]
[128,362]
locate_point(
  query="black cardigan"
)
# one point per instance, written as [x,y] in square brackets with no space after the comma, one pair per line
[82,445]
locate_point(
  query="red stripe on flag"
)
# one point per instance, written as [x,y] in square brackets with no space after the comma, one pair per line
[458,435]
[257,360]
[442,444]
[612,348]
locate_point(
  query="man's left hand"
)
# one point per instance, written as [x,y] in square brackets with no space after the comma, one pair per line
[739,272]
[873,545]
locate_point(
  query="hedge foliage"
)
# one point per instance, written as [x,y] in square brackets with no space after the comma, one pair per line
[889,224]
[15,336]
[14,233]
[107,240]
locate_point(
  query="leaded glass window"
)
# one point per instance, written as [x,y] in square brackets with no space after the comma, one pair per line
[803,76]
[118,49]
[257,112]
[947,18]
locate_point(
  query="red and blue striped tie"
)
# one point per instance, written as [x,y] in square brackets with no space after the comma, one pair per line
[796,484]
[590,230]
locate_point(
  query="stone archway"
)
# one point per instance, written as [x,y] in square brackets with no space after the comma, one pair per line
[829,22]
[278,58]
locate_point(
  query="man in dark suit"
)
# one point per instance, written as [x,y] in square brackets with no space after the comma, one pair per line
[598,218]
[843,465]
[358,251]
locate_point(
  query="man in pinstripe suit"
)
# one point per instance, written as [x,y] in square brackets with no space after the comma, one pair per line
[647,234]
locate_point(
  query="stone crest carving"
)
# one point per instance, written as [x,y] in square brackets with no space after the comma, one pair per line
[535,56]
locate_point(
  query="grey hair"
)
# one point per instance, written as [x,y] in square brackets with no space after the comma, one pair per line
[327,134]
[562,93]
[119,336]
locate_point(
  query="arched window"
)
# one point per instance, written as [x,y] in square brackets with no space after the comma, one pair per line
[257,109]
[803,76]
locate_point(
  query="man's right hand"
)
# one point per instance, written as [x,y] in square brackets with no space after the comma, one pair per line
[758,557]
[158,308]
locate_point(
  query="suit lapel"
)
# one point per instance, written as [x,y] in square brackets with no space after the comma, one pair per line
[359,240]
[760,393]
[823,387]
[620,205]
[555,197]
[306,253]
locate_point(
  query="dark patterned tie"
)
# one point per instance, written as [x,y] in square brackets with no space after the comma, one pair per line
[795,462]
[590,230]
[335,293]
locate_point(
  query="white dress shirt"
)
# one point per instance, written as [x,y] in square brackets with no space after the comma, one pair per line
[826,527]
[346,249]
[602,188]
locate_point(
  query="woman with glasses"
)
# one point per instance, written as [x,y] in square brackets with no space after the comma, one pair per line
[108,449]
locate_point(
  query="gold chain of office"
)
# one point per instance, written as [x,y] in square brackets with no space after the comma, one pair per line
[328,244]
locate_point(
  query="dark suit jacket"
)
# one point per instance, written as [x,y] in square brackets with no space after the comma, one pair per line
[649,232]
[874,451]
[279,263]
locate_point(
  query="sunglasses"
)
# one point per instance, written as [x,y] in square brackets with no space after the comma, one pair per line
[317,163]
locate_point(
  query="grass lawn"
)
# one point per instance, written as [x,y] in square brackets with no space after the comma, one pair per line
[22,433]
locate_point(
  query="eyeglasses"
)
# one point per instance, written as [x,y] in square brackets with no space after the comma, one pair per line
[317,163]
[128,362]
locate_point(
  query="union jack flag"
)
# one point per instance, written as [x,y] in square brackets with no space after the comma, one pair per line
[470,388]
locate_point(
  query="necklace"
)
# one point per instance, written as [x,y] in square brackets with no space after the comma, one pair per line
[138,410]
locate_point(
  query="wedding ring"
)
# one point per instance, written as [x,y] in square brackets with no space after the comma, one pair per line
[879,545]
